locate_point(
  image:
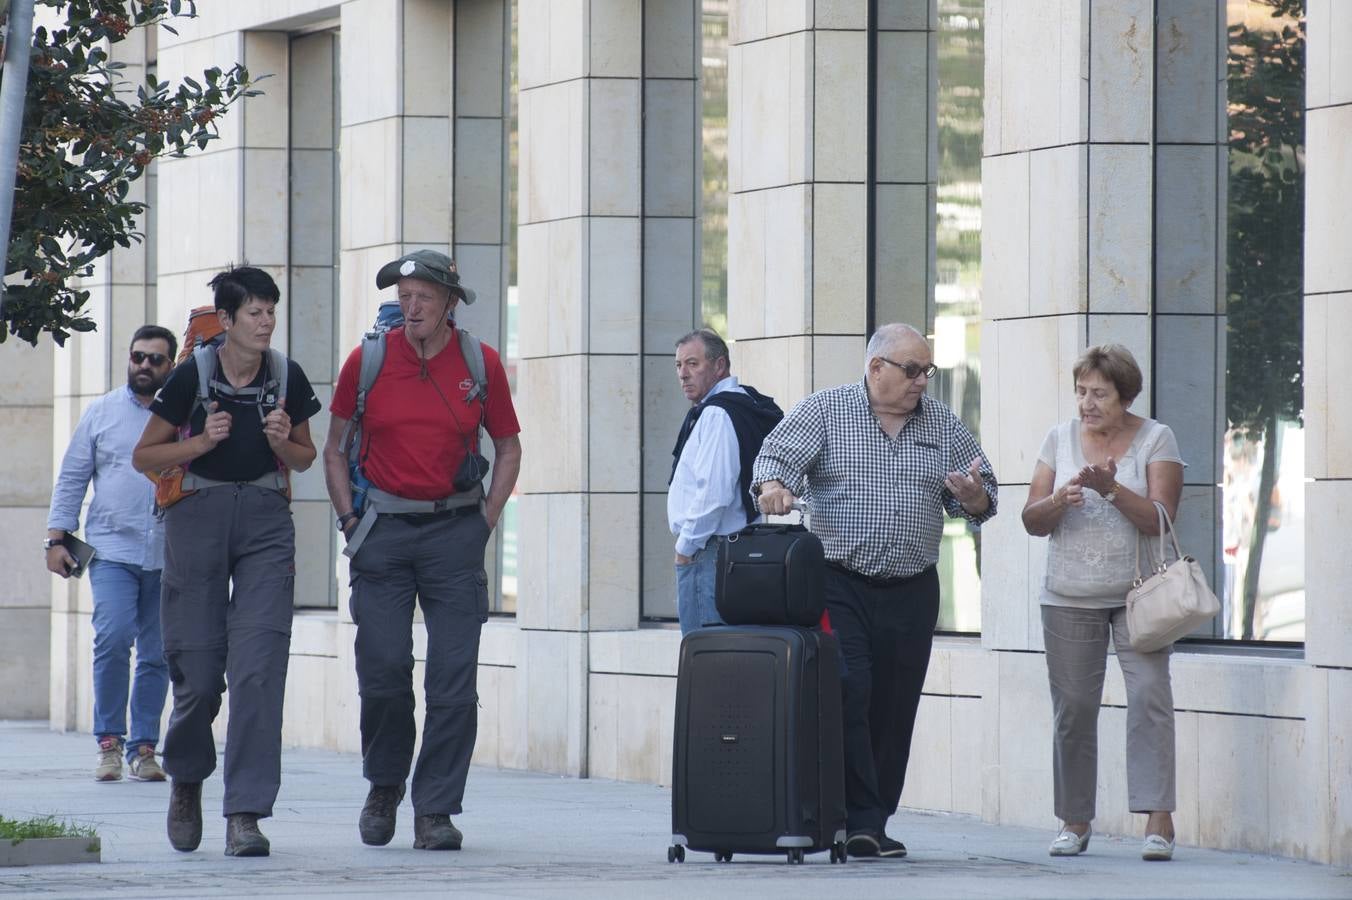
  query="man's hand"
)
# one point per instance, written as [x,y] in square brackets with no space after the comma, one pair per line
[277,426]
[968,488]
[59,561]
[775,499]
[682,560]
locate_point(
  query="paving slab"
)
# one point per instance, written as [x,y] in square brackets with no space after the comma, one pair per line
[529,835]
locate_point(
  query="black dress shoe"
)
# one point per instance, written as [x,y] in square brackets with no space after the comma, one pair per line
[891,848]
[861,844]
[242,837]
[378,815]
[185,815]
[435,832]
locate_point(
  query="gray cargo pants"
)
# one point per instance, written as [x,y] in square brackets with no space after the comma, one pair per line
[212,635]
[440,560]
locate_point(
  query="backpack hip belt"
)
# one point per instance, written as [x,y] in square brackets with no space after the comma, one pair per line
[380,502]
[275,480]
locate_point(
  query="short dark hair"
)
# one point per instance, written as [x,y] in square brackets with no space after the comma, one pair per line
[237,284]
[1115,363]
[714,346]
[154,333]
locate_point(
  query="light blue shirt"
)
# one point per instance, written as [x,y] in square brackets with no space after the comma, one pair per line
[121,525]
[705,497]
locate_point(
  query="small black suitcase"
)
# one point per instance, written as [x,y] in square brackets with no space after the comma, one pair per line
[771,574]
[758,761]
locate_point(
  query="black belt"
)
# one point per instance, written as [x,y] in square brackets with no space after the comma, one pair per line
[429,517]
[875,580]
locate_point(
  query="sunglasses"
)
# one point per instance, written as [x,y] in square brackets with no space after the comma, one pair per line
[156,359]
[911,370]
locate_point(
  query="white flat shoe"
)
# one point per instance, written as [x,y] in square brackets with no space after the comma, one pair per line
[1157,848]
[1068,843]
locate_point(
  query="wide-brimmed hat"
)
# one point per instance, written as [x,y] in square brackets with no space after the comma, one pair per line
[429,265]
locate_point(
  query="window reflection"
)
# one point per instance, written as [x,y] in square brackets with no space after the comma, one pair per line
[957,291]
[1263,447]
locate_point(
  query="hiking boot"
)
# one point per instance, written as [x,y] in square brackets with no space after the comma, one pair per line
[435,832]
[242,837]
[110,759]
[185,815]
[143,766]
[377,816]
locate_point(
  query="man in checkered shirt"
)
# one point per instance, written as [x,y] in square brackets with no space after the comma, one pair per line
[879,463]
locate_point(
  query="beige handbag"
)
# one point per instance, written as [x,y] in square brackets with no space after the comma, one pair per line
[1172,601]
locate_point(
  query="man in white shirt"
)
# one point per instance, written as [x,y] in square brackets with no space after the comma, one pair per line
[708,497]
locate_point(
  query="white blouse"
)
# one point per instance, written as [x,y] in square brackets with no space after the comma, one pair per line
[1091,558]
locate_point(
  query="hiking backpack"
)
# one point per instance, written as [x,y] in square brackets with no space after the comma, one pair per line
[389,316]
[204,327]
[169,487]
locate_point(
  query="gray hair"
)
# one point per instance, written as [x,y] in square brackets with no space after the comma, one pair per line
[886,339]
[714,346]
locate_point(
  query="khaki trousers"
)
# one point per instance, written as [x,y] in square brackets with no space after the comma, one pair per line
[1077,649]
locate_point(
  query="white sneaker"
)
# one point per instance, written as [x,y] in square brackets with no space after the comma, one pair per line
[110,759]
[1068,843]
[1157,848]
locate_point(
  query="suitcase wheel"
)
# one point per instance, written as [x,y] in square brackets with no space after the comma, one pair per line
[722,856]
[796,856]
[675,853]
[838,852]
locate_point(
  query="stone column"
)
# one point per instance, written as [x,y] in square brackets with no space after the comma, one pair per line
[1076,252]
[798,160]
[1328,405]
[607,283]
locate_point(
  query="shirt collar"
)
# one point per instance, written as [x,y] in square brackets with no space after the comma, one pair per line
[721,385]
[861,396]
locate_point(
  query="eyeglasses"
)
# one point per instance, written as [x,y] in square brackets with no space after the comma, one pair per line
[156,359]
[911,370]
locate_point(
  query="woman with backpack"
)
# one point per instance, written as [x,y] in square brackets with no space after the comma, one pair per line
[234,420]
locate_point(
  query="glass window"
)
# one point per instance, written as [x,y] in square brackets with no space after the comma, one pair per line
[505,601]
[714,196]
[1263,451]
[957,289]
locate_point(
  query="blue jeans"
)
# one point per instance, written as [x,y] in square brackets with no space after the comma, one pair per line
[695,606]
[126,612]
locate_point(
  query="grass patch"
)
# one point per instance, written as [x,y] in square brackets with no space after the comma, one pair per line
[42,827]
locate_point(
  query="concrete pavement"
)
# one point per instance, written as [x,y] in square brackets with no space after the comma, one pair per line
[529,835]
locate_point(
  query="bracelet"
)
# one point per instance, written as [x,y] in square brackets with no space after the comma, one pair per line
[346,516]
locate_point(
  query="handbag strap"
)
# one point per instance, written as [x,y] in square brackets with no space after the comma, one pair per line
[1166,525]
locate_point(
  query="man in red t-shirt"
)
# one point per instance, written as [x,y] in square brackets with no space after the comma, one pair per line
[420,424]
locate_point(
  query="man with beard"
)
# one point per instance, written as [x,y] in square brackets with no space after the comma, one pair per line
[125,575]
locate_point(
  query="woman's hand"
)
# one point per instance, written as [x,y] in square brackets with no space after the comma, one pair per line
[1099,478]
[216,428]
[277,426]
[1069,494]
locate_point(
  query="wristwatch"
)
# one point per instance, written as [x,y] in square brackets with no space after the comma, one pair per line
[1111,496]
[345,518]
[49,543]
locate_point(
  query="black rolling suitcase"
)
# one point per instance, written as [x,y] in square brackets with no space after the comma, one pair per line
[758,762]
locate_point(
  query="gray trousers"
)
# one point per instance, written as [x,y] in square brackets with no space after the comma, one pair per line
[244,535]
[440,561]
[1077,650]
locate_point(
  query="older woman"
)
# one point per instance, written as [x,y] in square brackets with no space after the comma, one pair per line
[1093,492]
